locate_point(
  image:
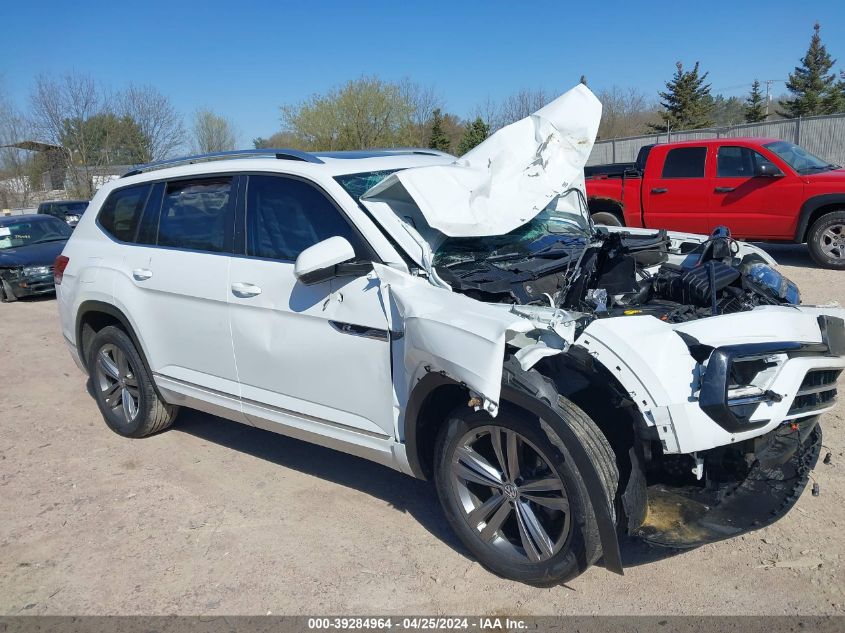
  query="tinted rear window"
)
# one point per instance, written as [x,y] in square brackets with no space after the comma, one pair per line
[122,210]
[195,214]
[685,162]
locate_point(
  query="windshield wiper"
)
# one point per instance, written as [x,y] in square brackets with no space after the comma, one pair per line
[52,239]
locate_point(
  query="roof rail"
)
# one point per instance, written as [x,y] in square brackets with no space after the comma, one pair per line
[281,154]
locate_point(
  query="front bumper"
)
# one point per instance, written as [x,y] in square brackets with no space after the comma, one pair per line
[19,286]
[690,516]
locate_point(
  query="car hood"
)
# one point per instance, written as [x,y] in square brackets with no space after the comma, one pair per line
[33,255]
[496,187]
[834,175]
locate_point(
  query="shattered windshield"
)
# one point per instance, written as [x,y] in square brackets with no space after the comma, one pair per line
[550,233]
[356,185]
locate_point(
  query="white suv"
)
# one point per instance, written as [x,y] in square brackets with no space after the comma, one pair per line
[465,321]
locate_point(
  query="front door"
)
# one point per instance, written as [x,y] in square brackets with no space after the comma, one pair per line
[751,206]
[314,357]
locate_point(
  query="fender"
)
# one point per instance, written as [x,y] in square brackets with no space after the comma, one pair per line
[531,393]
[811,205]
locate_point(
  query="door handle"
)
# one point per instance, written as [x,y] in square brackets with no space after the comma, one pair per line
[141,274]
[659,190]
[724,189]
[244,290]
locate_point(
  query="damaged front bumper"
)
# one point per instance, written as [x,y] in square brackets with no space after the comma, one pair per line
[690,516]
[27,281]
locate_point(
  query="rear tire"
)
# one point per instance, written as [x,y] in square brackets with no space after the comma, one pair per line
[607,218]
[498,522]
[826,240]
[123,388]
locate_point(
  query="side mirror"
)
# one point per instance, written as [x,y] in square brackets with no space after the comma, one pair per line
[317,263]
[767,170]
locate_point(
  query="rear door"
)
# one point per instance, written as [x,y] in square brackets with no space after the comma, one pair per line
[675,189]
[174,285]
[759,207]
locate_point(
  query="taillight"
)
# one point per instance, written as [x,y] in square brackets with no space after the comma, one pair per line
[59,268]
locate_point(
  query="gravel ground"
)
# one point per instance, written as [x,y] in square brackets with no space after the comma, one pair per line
[213,517]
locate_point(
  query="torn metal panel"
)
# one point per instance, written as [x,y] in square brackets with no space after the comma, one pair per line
[505,181]
[447,332]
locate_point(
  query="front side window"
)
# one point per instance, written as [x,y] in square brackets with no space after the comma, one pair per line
[740,162]
[196,214]
[285,216]
[121,212]
[685,162]
[36,231]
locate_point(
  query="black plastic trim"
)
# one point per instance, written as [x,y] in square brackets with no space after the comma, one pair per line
[713,397]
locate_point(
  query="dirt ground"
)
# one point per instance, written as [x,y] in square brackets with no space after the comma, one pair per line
[214,517]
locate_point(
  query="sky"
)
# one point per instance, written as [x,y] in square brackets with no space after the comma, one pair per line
[244,59]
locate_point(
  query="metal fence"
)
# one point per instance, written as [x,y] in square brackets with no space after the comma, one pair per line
[823,136]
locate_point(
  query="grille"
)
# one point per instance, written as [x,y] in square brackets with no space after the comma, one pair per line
[817,391]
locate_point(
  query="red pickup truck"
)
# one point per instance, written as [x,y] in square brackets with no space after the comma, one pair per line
[761,189]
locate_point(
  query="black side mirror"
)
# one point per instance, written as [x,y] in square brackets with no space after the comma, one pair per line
[767,170]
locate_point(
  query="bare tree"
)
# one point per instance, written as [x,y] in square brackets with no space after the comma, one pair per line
[60,107]
[422,101]
[521,104]
[625,112]
[160,124]
[15,187]
[212,133]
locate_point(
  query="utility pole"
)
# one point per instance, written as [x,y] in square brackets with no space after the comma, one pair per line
[769,83]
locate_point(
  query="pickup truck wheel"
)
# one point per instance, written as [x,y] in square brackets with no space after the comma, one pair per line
[606,218]
[514,499]
[826,240]
[122,387]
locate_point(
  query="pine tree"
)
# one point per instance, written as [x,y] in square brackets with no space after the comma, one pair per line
[474,133]
[812,84]
[687,102]
[439,140]
[755,105]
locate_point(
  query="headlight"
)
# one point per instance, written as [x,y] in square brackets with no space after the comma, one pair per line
[36,271]
[72,218]
[10,273]
[768,278]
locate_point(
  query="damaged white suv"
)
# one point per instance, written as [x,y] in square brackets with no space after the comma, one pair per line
[462,320]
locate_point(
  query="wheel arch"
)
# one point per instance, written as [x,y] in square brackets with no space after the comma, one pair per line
[435,395]
[95,315]
[814,208]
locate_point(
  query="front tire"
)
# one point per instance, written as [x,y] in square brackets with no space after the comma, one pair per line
[826,240]
[606,218]
[123,388]
[515,499]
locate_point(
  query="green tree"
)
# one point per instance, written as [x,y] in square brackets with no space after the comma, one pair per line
[362,113]
[474,133]
[812,85]
[726,111]
[108,139]
[687,103]
[438,140]
[755,105]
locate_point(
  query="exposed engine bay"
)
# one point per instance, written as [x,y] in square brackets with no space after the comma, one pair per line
[611,274]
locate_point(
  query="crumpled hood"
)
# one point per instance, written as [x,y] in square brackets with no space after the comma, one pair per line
[502,183]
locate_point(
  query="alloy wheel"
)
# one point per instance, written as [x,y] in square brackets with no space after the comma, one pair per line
[117,382]
[510,494]
[832,241]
